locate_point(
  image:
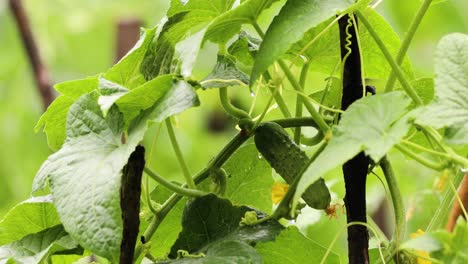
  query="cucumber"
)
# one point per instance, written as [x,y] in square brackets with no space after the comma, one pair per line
[288,160]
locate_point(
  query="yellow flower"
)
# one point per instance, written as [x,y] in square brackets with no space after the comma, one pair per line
[421,253]
[278,191]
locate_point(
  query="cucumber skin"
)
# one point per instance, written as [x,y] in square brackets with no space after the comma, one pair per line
[288,160]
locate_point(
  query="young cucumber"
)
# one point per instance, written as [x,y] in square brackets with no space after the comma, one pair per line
[289,160]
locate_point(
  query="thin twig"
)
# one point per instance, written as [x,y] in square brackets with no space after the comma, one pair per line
[41,74]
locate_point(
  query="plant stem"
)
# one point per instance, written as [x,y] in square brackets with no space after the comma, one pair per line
[228,107]
[295,122]
[315,115]
[418,158]
[440,216]
[180,157]
[407,40]
[302,80]
[399,73]
[397,202]
[173,187]
[217,162]
[453,156]
[278,98]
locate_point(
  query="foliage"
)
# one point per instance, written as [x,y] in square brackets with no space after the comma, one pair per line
[97,122]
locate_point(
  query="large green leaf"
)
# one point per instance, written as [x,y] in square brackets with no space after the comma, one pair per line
[209,219]
[55,118]
[127,71]
[225,69]
[225,252]
[450,107]
[28,217]
[228,24]
[372,124]
[250,179]
[290,246]
[304,15]
[85,174]
[35,248]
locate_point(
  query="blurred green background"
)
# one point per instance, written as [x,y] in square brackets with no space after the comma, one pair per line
[78,39]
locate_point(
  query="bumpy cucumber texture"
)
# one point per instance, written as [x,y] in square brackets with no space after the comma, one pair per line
[289,160]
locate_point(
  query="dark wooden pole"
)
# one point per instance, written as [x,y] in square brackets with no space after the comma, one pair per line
[355,170]
[41,75]
[128,33]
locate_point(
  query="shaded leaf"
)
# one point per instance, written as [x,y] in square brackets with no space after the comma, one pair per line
[28,217]
[249,180]
[450,107]
[372,124]
[244,48]
[225,69]
[290,246]
[209,218]
[35,248]
[110,92]
[280,35]
[225,252]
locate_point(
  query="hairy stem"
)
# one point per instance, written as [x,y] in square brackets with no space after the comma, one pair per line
[393,64]
[406,41]
[180,157]
[419,159]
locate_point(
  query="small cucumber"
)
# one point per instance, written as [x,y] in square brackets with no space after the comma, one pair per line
[288,160]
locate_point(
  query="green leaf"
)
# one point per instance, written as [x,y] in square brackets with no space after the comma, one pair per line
[127,71]
[169,229]
[250,179]
[85,174]
[110,92]
[225,252]
[28,217]
[372,124]
[244,48]
[186,23]
[225,26]
[293,247]
[304,15]
[55,118]
[424,242]
[36,248]
[424,87]
[225,69]
[450,107]
[324,53]
[209,218]
[144,97]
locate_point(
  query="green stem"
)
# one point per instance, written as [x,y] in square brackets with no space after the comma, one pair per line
[452,156]
[399,73]
[173,187]
[278,98]
[180,157]
[407,40]
[295,122]
[397,202]
[315,115]
[228,107]
[217,162]
[302,80]
[418,158]
[439,218]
